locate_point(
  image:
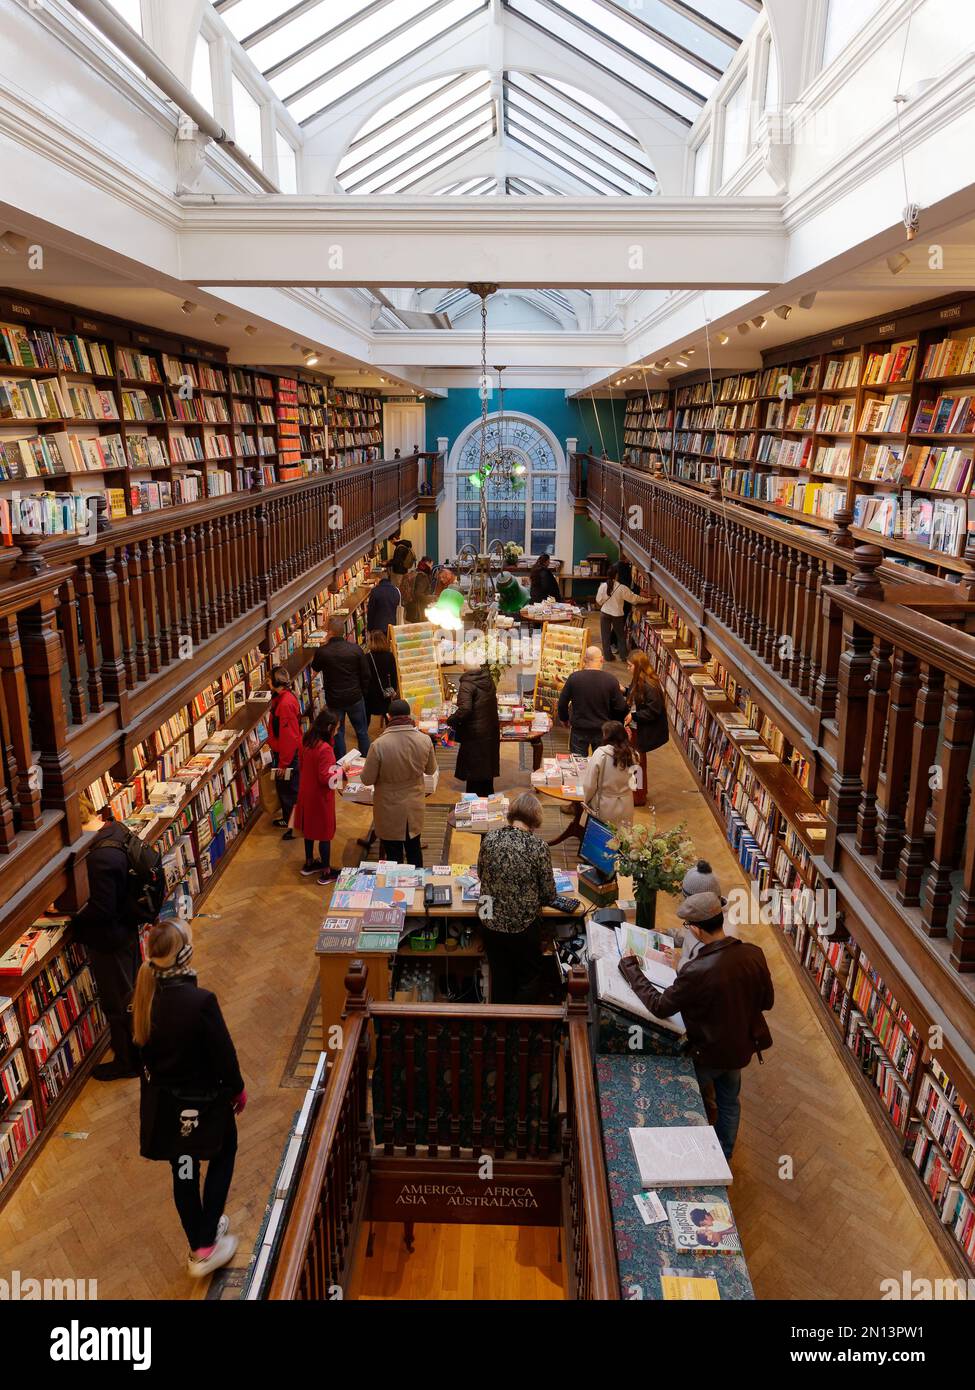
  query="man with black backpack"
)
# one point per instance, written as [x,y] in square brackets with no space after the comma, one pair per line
[125,889]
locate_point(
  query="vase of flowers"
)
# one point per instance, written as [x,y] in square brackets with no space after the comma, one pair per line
[656,860]
[512,552]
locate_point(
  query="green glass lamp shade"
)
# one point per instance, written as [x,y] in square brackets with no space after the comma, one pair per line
[447,610]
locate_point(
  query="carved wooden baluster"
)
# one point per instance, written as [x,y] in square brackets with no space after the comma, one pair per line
[105,588]
[815,644]
[262,569]
[217,548]
[126,625]
[151,604]
[249,559]
[89,632]
[202,549]
[750,565]
[879,687]
[160,567]
[410,1073]
[477,1090]
[764,606]
[43,659]
[711,541]
[900,737]
[68,614]
[500,1060]
[135,598]
[433,1073]
[14,681]
[950,801]
[189,593]
[8,777]
[852,693]
[914,855]
[234,566]
[455,1097]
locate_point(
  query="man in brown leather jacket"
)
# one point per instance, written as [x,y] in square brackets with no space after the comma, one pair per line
[721,994]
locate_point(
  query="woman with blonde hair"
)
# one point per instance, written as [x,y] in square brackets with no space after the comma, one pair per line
[191,1091]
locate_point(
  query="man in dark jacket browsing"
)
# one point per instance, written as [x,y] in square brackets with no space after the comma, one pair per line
[346,674]
[722,995]
[383,603]
[590,698]
[112,942]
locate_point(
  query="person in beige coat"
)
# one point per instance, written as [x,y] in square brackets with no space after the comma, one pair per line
[608,783]
[394,767]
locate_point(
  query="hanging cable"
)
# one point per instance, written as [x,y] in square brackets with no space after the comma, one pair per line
[721,496]
[911,211]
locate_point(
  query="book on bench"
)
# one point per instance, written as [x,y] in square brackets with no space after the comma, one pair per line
[679,1156]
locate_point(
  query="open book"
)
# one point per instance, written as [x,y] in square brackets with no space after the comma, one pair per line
[613,989]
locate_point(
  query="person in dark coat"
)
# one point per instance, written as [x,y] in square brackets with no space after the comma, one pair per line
[191,1091]
[112,942]
[284,741]
[543,581]
[383,677]
[647,719]
[315,810]
[420,591]
[478,730]
[384,601]
[345,673]
[403,557]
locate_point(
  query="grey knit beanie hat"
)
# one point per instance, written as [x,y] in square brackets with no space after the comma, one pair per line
[700,879]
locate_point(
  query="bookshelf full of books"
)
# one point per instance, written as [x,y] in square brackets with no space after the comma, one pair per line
[144,420]
[51,1026]
[355,427]
[648,431]
[714,422]
[762,791]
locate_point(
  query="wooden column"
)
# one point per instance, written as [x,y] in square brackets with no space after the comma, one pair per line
[89,631]
[106,598]
[892,794]
[68,618]
[853,691]
[42,669]
[950,798]
[14,680]
[914,855]
[866,840]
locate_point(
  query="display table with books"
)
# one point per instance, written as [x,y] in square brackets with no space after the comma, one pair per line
[377,912]
[675,1242]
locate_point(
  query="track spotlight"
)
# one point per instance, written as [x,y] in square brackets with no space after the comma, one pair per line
[296,347]
[188,307]
[666,363]
[806,301]
[683,362]
[249,328]
[13,244]
[310,356]
[784,311]
[220,318]
[898,262]
[744,328]
[760,322]
[688,352]
[723,339]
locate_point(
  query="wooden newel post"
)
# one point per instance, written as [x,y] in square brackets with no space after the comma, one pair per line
[355,986]
[864,581]
[853,693]
[841,537]
[578,990]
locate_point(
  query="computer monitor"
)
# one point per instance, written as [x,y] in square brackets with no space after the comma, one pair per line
[595,849]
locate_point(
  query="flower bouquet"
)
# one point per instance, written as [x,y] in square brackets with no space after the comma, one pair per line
[655,859]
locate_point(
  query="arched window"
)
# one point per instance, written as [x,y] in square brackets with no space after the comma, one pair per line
[525,514]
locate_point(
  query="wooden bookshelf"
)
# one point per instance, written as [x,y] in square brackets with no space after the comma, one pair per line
[648,430]
[158,421]
[355,426]
[765,809]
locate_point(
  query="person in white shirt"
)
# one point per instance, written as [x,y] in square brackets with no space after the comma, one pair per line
[610,599]
[608,783]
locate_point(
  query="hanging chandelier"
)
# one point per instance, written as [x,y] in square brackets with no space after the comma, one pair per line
[497,463]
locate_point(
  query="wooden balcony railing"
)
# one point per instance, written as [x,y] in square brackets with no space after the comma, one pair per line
[453,1083]
[102,637]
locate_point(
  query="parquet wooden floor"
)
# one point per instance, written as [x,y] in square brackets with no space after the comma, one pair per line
[481,1263]
[92,1208]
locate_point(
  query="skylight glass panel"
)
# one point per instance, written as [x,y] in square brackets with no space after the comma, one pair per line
[413,128]
[400,105]
[639,39]
[409,154]
[623,65]
[366,50]
[680,25]
[566,162]
[436,157]
[595,155]
[247,121]
[313,27]
[245,17]
[564,110]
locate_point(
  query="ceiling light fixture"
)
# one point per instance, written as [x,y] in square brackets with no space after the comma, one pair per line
[723,339]
[744,328]
[188,307]
[220,318]
[683,362]
[689,352]
[806,301]
[898,262]
[784,312]
[666,363]
[760,322]
[310,356]
[249,328]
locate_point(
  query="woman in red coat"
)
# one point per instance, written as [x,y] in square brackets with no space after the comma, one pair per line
[284,738]
[315,811]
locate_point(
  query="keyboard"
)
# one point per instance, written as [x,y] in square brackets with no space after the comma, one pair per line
[561,904]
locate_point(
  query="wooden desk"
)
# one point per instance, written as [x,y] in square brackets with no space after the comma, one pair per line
[334,966]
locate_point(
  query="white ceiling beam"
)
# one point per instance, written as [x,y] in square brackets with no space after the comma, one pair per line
[622,242]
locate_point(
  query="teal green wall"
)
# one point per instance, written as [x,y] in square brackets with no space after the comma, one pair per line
[597,425]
